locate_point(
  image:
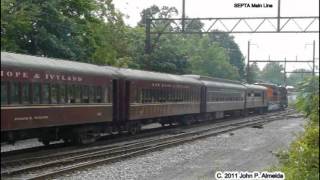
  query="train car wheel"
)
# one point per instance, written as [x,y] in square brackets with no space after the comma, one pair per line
[85,139]
[185,121]
[245,113]
[134,128]
[67,141]
[262,110]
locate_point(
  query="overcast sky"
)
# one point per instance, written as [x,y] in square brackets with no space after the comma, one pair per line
[277,46]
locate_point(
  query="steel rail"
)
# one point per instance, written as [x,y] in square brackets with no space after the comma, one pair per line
[33,153]
[130,150]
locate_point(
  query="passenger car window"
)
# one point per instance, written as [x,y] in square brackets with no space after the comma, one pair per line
[85,94]
[15,93]
[138,95]
[98,94]
[71,94]
[62,93]
[4,93]
[106,95]
[92,91]
[36,93]
[46,93]
[54,94]
[25,93]
[77,94]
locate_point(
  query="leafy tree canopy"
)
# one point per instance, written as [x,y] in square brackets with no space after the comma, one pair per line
[272,73]
[232,49]
[94,32]
[210,59]
[295,78]
[200,54]
[254,73]
[81,30]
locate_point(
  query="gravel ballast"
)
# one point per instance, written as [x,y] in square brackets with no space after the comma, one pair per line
[244,149]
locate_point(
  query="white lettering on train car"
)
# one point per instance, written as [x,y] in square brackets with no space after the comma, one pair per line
[45,76]
[29,118]
[164,85]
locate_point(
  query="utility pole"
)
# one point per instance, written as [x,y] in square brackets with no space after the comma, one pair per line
[148,36]
[285,71]
[183,16]
[248,64]
[313,66]
[278,24]
[313,57]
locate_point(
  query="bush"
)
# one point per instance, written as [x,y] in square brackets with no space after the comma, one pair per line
[302,159]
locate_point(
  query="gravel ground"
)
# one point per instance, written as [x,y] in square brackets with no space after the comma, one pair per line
[21,145]
[244,149]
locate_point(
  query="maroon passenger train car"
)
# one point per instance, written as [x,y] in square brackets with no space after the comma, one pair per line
[52,99]
[151,96]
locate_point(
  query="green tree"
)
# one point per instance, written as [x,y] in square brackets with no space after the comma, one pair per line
[136,45]
[210,59]
[272,73]
[168,56]
[150,12]
[233,51]
[193,25]
[254,73]
[157,12]
[81,30]
[186,53]
[16,23]
[295,78]
[307,90]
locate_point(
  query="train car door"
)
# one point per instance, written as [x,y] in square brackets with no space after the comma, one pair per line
[127,99]
[246,101]
[203,99]
[115,100]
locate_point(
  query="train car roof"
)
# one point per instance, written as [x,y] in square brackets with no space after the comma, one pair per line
[217,82]
[267,85]
[133,74]
[44,63]
[255,87]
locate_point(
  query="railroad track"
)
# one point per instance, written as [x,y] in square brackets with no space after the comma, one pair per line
[109,140]
[54,165]
[63,146]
